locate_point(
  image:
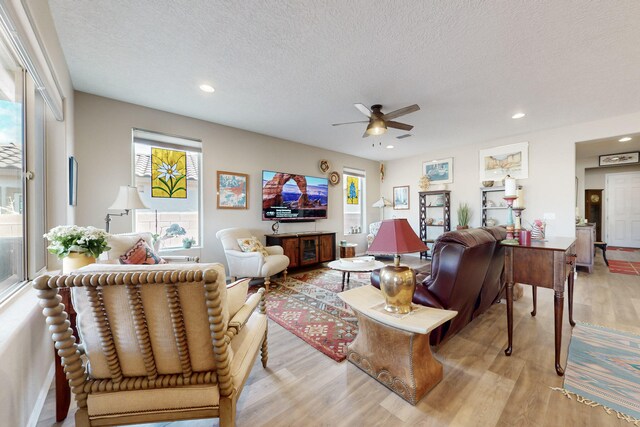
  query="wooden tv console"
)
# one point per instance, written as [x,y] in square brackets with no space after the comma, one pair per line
[305,248]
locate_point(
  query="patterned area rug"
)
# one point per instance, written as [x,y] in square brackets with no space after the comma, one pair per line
[603,369]
[624,267]
[618,248]
[307,305]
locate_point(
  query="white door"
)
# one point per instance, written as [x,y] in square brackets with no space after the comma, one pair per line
[623,209]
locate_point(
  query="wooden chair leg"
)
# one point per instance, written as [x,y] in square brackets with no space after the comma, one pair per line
[228,411]
[267,282]
[285,273]
[264,353]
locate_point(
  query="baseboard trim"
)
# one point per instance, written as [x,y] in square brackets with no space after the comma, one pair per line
[42,397]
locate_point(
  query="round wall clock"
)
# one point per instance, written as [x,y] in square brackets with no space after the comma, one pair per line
[334,178]
[595,198]
[324,166]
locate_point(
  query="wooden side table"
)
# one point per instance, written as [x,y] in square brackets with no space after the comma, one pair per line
[348,250]
[394,349]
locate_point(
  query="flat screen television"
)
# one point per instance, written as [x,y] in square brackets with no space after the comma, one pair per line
[293,197]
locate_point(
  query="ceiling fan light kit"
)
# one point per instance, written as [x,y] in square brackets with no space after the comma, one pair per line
[380,122]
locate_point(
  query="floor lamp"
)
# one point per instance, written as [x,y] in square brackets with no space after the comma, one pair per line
[127,199]
[381,203]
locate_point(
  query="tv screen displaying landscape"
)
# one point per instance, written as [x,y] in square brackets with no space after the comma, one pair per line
[293,197]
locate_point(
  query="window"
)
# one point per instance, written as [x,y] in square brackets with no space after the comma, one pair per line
[174,164]
[354,191]
[12,217]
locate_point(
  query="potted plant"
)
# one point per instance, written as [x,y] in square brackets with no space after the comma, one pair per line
[76,246]
[187,242]
[464,216]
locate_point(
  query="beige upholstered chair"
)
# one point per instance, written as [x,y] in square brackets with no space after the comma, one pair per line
[159,344]
[251,264]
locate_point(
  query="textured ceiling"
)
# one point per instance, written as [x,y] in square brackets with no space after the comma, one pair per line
[291,68]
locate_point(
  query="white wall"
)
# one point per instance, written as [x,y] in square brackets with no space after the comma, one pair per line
[26,349]
[550,187]
[103,134]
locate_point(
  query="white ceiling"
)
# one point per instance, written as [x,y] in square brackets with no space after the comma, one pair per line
[291,68]
[597,147]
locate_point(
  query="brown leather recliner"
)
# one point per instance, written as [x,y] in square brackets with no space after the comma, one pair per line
[459,267]
[494,281]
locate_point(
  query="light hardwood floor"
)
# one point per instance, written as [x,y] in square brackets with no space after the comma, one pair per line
[481,386]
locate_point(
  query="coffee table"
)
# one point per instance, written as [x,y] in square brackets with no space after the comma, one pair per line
[394,349]
[347,269]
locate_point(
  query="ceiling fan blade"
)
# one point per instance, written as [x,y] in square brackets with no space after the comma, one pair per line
[349,123]
[398,125]
[401,112]
[363,109]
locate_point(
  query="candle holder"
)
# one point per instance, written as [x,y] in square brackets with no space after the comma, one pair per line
[510,240]
[518,224]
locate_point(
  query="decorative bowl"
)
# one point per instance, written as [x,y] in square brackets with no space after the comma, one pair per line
[487,183]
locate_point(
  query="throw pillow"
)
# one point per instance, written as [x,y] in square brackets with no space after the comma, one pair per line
[251,244]
[141,253]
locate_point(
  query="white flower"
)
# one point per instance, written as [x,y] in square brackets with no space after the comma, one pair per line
[168,171]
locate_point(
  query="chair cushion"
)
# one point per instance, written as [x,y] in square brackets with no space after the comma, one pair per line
[252,244]
[141,253]
[237,295]
[109,404]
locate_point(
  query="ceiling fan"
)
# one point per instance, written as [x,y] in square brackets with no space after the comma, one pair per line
[379,121]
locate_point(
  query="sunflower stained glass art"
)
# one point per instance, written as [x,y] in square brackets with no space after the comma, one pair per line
[168,174]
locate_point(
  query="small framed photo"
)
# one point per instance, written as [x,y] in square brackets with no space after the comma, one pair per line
[233,190]
[401,197]
[439,171]
[620,159]
[73,181]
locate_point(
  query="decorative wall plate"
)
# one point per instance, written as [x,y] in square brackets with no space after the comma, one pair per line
[324,166]
[334,178]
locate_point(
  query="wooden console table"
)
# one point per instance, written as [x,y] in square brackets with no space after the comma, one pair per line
[395,349]
[305,248]
[547,264]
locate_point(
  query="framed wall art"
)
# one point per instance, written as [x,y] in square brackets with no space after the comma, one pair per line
[401,197]
[498,162]
[439,171]
[620,159]
[233,190]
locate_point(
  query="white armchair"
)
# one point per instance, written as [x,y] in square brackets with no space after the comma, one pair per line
[251,264]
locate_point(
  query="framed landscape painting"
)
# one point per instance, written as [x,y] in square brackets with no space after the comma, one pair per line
[401,197]
[619,159]
[439,171]
[233,190]
[498,162]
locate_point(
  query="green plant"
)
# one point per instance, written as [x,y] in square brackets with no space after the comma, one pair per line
[89,241]
[464,214]
[188,241]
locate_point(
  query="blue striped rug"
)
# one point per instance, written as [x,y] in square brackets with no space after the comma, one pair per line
[603,369]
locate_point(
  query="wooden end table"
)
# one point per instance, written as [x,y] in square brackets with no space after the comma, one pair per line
[394,349]
[350,268]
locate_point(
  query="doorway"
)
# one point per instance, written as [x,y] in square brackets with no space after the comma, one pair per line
[623,209]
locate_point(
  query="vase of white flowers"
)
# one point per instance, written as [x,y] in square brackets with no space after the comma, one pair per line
[77,246]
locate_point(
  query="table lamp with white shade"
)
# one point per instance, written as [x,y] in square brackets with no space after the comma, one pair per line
[381,203]
[127,199]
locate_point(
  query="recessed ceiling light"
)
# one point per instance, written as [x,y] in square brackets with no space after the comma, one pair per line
[207,88]
[518,116]
[389,146]
[625,139]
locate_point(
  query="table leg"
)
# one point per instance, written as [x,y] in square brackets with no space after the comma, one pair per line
[558,305]
[348,276]
[509,349]
[344,274]
[571,322]
[534,291]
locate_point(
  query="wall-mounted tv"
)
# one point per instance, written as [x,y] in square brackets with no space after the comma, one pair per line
[292,197]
